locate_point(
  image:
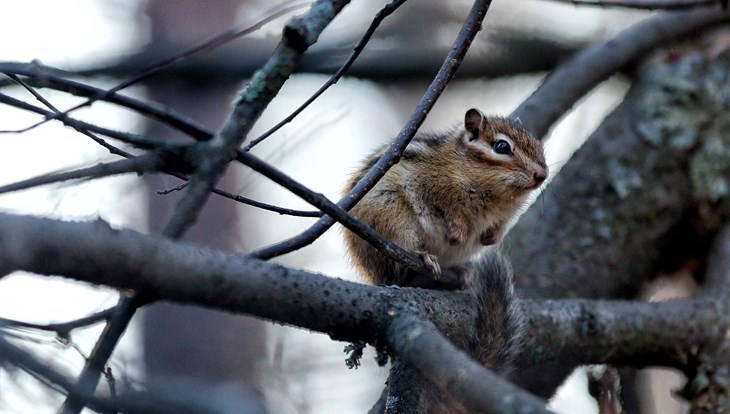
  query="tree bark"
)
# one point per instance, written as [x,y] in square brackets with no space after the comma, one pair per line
[644,194]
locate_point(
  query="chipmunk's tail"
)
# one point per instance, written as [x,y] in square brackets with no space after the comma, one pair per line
[499,321]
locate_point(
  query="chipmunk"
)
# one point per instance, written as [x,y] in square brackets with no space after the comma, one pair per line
[449,195]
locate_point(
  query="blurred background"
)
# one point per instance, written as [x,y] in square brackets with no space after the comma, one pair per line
[236,363]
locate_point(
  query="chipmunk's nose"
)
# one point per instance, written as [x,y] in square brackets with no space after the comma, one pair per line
[540,175]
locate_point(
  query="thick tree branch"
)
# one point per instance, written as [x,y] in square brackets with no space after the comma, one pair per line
[643,194]
[572,332]
[564,86]
[594,331]
[458,376]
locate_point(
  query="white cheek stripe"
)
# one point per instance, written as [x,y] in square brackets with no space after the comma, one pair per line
[488,149]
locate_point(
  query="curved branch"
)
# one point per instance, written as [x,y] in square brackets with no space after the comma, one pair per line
[386,11]
[299,34]
[563,87]
[156,67]
[145,143]
[468,32]
[458,376]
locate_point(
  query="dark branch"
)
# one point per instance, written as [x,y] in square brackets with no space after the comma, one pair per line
[386,11]
[155,68]
[458,376]
[299,34]
[146,143]
[132,402]
[577,331]
[152,162]
[469,30]
[563,87]
[62,329]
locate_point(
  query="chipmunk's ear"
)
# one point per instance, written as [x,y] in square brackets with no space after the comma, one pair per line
[474,123]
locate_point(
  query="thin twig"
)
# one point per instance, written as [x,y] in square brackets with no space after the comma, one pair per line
[111,148]
[94,366]
[469,30]
[211,44]
[47,77]
[62,329]
[151,162]
[130,402]
[135,140]
[387,247]
[386,11]
[145,143]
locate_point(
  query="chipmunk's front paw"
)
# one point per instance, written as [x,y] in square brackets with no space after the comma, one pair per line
[431,263]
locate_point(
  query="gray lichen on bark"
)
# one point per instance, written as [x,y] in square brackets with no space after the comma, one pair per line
[687,108]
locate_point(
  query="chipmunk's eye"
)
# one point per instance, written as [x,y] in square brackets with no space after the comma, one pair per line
[502,147]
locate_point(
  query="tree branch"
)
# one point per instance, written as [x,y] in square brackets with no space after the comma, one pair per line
[151,162]
[298,35]
[469,30]
[564,86]
[630,202]
[156,67]
[573,330]
[386,11]
[145,143]
[458,376]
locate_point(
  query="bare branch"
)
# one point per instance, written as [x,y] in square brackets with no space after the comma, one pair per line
[146,143]
[62,329]
[574,331]
[48,77]
[299,34]
[563,87]
[469,30]
[387,247]
[208,45]
[458,376]
[152,162]
[112,149]
[132,402]
[386,11]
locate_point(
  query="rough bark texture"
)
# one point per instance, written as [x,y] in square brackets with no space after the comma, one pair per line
[646,191]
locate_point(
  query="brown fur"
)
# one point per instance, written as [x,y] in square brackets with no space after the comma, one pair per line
[449,194]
